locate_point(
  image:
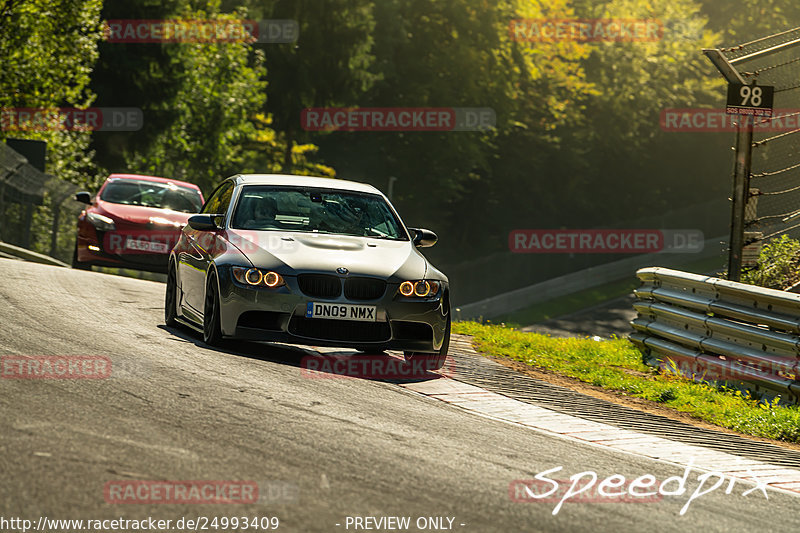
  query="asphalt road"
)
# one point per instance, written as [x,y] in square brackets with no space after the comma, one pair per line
[320,450]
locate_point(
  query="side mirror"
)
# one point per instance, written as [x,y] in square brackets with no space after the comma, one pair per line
[203,222]
[83,197]
[423,238]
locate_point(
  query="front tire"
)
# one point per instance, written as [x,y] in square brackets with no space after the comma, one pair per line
[170,298]
[433,361]
[212,334]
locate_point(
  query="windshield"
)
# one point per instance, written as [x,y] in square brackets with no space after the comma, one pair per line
[152,194]
[264,207]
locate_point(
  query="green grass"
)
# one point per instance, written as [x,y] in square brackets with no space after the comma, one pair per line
[577,301]
[617,365]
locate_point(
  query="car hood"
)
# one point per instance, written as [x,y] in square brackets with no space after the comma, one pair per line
[138,214]
[305,252]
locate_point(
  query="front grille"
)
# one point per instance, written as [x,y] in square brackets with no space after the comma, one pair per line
[320,285]
[364,288]
[339,330]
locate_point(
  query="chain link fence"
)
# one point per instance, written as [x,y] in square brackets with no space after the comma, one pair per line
[773,203]
[37,210]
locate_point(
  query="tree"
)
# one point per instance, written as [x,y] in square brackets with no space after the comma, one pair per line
[747,20]
[48,49]
[203,102]
[330,64]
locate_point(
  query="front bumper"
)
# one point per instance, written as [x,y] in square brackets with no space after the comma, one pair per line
[110,249]
[278,315]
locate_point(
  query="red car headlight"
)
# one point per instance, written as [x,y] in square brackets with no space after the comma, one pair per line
[101,222]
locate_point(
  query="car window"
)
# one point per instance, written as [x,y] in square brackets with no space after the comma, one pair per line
[152,194]
[220,199]
[270,208]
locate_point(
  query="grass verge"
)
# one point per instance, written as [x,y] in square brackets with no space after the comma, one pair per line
[616,365]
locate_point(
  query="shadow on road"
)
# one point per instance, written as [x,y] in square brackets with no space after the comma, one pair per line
[323,363]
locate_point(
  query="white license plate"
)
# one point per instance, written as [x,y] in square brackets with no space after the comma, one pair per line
[146,246]
[364,313]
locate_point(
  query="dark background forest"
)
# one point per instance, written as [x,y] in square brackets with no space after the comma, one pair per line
[577,142]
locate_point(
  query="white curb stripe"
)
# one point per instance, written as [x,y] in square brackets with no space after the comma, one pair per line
[475,399]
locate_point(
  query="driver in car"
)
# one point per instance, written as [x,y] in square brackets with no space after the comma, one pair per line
[264,211]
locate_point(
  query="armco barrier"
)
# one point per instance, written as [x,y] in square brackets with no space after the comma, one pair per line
[720,331]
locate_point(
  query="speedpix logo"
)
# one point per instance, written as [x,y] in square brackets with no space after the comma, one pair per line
[587,487]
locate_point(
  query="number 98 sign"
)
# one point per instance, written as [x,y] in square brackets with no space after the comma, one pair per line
[750,99]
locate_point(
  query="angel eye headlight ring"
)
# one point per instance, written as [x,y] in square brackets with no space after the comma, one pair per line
[253,276]
[406,288]
[422,289]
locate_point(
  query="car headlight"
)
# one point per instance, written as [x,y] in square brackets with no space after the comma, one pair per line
[257,278]
[420,288]
[101,222]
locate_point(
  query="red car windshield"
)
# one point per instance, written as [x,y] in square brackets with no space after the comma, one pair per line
[152,194]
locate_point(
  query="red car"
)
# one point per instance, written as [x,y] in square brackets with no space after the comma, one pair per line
[133,222]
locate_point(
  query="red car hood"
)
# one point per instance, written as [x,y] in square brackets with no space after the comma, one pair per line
[140,215]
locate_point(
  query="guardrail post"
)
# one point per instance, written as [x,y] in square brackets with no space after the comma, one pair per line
[741,192]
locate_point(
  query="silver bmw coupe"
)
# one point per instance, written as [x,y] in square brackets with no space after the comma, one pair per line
[312,261]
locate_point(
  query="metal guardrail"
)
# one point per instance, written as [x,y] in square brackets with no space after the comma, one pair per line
[720,331]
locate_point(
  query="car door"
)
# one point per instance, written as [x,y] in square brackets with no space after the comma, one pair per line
[193,262]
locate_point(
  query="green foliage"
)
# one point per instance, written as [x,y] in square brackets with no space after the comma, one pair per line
[778,265]
[747,20]
[48,49]
[577,141]
[330,65]
[219,88]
